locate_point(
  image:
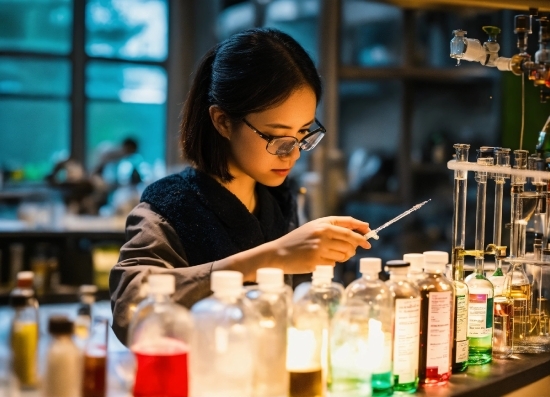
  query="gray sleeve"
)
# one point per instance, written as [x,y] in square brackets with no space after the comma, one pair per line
[152,247]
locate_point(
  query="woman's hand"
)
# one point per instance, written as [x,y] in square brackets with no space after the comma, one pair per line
[323,241]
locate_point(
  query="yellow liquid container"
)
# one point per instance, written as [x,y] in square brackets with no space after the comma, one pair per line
[24,344]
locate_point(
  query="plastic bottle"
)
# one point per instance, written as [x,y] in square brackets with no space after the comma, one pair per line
[350,351]
[224,340]
[416,268]
[24,338]
[321,280]
[270,303]
[159,337]
[379,300]
[63,377]
[436,320]
[406,326]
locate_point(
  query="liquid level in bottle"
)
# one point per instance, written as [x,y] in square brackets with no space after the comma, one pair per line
[24,344]
[308,383]
[93,382]
[161,375]
[503,327]
[521,295]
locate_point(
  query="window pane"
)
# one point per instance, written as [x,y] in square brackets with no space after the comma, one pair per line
[34,135]
[109,123]
[36,25]
[126,83]
[127,29]
[32,76]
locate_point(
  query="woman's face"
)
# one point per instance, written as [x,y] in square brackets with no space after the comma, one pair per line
[249,157]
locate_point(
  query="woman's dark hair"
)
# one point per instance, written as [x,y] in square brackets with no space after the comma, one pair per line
[250,72]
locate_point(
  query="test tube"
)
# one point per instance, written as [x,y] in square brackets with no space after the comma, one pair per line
[459,215]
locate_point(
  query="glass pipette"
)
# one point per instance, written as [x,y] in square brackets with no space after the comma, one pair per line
[374,233]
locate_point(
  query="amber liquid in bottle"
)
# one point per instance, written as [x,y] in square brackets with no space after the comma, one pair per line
[93,383]
[521,294]
[306,383]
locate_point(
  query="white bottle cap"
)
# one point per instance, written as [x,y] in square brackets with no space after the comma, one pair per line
[25,275]
[370,266]
[226,282]
[87,289]
[416,261]
[270,277]
[324,271]
[164,284]
[435,260]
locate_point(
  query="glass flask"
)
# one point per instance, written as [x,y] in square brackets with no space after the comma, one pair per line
[377,296]
[436,321]
[270,303]
[520,291]
[224,341]
[159,337]
[406,338]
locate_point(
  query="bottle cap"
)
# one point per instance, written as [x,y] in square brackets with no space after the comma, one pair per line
[370,266]
[164,284]
[416,260]
[324,271]
[87,289]
[226,282]
[21,299]
[60,325]
[435,260]
[397,266]
[270,277]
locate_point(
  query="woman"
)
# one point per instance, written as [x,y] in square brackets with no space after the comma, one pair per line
[249,113]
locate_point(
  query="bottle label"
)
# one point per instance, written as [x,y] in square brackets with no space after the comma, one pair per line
[406,339]
[461,348]
[480,315]
[439,331]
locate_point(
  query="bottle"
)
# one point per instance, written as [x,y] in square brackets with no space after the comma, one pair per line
[84,314]
[24,285]
[95,360]
[543,144]
[406,304]
[350,367]
[503,323]
[142,295]
[224,339]
[436,320]
[379,299]
[64,361]
[321,279]
[270,303]
[416,267]
[520,291]
[159,337]
[24,338]
[480,317]
[460,347]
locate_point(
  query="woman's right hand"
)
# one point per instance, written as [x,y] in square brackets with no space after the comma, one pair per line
[323,241]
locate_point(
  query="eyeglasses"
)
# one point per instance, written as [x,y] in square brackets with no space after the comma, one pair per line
[284,145]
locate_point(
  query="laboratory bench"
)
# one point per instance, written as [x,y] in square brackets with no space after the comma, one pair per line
[499,378]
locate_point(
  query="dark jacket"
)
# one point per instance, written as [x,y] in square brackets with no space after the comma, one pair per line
[183,224]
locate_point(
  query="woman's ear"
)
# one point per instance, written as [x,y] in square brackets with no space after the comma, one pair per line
[221,122]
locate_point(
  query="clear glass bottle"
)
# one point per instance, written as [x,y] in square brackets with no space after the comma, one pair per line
[480,317]
[83,319]
[520,291]
[24,338]
[321,280]
[94,377]
[503,323]
[406,336]
[270,303]
[350,368]
[224,340]
[63,377]
[159,337]
[416,268]
[379,299]
[460,346]
[436,320]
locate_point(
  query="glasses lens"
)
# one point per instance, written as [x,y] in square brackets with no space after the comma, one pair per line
[309,142]
[282,146]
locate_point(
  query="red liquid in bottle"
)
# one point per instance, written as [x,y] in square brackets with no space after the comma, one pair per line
[93,384]
[161,370]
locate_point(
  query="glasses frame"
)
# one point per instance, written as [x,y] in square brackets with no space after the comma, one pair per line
[299,143]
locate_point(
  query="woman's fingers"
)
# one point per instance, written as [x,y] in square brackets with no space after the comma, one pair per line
[350,223]
[348,236]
